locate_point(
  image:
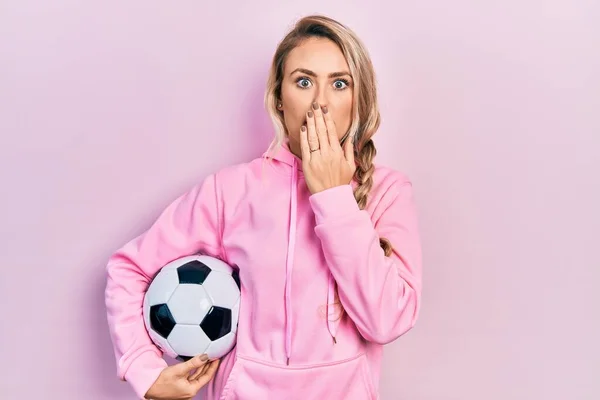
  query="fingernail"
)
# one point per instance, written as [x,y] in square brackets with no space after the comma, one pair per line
[204,357]
[303,129]
[310,114]
[315,105]
[324,108]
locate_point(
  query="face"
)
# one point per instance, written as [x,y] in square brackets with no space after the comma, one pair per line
[315,71]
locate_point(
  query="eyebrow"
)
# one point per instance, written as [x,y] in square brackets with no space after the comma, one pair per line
[311,73]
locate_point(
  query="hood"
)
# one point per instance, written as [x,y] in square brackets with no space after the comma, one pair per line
[283,154]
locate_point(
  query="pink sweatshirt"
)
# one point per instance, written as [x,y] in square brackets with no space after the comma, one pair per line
[295,251]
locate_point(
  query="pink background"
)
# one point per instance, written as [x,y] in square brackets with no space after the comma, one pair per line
[108,110]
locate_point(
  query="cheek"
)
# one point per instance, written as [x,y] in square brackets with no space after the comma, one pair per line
[294,116]
[296,106]
[343,119]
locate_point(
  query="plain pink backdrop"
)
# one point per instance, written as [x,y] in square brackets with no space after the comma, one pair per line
[108,110]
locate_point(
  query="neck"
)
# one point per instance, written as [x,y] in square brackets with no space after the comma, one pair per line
[295,147]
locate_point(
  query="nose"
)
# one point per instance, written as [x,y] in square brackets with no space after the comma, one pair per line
[321,96]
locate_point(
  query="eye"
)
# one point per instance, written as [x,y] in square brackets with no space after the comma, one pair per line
[340,84]
[303,82]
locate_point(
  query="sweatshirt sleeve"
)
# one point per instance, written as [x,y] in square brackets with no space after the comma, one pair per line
[380,294]
[189,225]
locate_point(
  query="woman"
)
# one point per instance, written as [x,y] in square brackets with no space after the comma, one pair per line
[326,243]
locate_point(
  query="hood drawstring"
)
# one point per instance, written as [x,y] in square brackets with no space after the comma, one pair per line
[290,262]
[331,324]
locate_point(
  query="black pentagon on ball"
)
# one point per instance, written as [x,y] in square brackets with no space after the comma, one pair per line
[161,320]
[216,323]
[236,277]
[193,272]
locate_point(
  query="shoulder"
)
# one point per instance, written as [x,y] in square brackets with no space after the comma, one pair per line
[389,185]
[235,170]
[237,177]
[387,179]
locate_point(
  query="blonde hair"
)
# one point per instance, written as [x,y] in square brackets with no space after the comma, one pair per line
[366,118]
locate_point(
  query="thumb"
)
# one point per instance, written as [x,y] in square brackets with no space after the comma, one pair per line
[193,363]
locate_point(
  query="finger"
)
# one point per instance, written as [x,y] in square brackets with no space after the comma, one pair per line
[349,150]
[321,129]
[313,140]
[199,371]
[195,362]
[208,374]
[334,141]
[304,146]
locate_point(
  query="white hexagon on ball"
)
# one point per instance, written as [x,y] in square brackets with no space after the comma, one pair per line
[188,340]
[235,316]
[222,289]
[189,304]
[162,287]
[221,345]
[215,264]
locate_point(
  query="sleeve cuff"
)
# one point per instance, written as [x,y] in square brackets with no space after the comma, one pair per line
[143,372]
[333,203]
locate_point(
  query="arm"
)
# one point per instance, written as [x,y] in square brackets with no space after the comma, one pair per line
[188,225]
[380,294]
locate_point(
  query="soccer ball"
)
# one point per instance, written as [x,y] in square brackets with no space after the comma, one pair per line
[192,306]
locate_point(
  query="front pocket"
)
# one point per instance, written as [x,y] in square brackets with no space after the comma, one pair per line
[344,380]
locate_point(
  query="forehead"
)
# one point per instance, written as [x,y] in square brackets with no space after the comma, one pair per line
[317,54]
